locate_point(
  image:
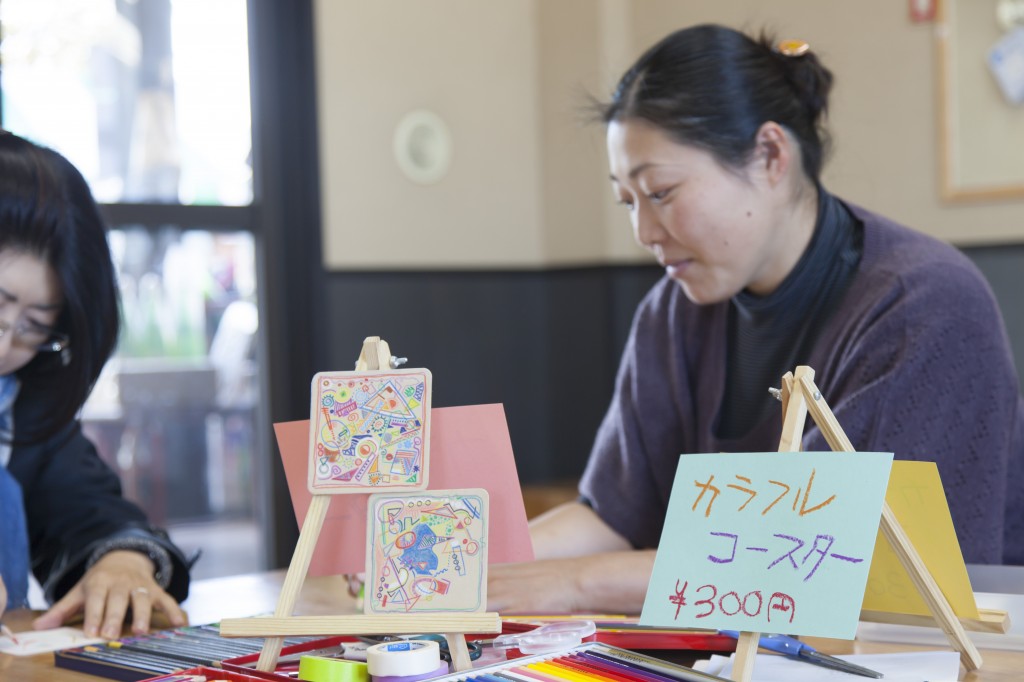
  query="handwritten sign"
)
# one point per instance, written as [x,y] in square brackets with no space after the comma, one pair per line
[768,542]
[369,431]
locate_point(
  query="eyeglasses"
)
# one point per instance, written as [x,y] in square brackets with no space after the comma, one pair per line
[37,338]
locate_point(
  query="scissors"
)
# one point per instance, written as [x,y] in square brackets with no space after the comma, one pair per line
[794,648]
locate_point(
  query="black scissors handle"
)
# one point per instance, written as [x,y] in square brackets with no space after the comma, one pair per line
[475,648]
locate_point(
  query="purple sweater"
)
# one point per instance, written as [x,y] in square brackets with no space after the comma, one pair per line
[915,361]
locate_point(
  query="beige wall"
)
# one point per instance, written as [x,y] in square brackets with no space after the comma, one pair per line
[884,119]
[527,186]
[475,65]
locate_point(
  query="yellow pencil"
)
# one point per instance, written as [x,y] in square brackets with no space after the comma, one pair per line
[561,673]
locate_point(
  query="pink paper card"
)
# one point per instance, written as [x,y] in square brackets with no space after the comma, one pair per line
[427,552]
[370,431]
[470,448]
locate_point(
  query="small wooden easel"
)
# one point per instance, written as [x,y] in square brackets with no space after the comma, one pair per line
[799,396]
[375,355]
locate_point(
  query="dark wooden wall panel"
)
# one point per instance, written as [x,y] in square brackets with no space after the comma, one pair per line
[546,344]
[1003,267]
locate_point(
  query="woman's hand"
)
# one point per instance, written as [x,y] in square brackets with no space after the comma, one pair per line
[534,587]
[119,580]
[582,565]
[3,597]
[611,582]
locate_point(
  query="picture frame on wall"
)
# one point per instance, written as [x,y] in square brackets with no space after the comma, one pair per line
[981,129]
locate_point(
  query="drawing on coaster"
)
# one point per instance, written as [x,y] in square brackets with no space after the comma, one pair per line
[369,431]
[427,552]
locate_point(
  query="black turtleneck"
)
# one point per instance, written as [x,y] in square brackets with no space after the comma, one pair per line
[770,335]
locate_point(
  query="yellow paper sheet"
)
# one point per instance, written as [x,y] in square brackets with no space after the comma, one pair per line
[916,497]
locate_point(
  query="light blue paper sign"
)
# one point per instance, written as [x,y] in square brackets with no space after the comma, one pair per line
[775,542]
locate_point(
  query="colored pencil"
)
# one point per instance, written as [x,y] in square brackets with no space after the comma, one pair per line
[589,662]
[604,669]
[170,655]
[510,676]
[557,666]
[654,665]
[145,663]
[535,674]
[631,671]
[6,632]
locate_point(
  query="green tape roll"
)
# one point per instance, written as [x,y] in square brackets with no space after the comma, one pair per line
[319,669]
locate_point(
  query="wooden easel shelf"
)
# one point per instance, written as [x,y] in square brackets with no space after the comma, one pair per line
[389,624]
[991,620]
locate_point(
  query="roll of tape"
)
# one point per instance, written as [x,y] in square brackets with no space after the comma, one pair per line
[402,659]
[319,669]
[442,669]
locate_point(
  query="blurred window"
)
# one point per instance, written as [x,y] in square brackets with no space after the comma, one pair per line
[150,100]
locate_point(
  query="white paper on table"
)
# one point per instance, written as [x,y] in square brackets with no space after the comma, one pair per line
[32,642]
[1012,640]
[913,666]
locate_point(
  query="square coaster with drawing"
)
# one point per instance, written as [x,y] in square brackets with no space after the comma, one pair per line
[427,552]
[369,431]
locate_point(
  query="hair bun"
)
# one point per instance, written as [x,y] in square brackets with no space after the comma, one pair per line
[713,86]
[793,48]
[810,80]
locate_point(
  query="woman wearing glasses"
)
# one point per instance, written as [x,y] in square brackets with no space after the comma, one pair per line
[61,509]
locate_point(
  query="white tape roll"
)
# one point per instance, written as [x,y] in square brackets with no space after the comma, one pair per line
[399,659]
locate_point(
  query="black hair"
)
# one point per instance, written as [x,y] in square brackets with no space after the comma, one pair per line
[47,211]
[713,87]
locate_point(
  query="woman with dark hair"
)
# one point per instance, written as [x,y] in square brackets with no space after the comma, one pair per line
[61,508]
[715,145]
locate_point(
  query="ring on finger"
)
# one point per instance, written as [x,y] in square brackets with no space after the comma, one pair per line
[141,591]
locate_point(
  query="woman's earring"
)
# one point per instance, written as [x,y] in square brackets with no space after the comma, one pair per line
[65,357]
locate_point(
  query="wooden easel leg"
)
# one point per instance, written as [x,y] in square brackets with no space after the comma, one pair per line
[459,651]
[794,417]
[794,412]
[295,577]
[894,533]
[746,652]
[929,590]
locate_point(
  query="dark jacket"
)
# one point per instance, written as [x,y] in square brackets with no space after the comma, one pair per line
[73,502]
